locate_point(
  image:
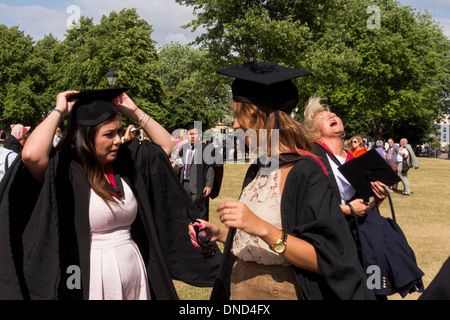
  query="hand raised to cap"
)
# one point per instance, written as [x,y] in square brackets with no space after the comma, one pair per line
[125,105]
[63,103]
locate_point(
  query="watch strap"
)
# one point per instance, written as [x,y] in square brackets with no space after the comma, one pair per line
[281,239]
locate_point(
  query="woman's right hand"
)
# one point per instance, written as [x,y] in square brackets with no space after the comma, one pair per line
[62,103]
[359,206]
[36,151]
[216,231]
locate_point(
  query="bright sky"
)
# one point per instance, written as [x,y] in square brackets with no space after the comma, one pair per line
[38,18]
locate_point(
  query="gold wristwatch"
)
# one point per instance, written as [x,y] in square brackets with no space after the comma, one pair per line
[280,245]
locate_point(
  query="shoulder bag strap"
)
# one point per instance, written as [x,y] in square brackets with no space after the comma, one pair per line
[6,161]
[390,204]
[358,234]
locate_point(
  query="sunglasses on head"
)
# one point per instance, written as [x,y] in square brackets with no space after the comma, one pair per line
[203,237]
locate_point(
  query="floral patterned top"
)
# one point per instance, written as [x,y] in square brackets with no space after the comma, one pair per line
[262,196]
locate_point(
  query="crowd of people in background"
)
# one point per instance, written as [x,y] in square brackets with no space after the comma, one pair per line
[277,229]
[357,145]
[393,153]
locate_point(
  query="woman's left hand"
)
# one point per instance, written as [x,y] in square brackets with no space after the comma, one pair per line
[125,106]
[378,190]
[237,215]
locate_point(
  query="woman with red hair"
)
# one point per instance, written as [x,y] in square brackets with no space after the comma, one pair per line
[357,148]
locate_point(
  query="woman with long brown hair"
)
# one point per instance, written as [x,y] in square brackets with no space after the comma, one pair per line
[105,200]
[285,238]
[92,141]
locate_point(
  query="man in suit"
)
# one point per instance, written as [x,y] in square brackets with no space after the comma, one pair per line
[196,176]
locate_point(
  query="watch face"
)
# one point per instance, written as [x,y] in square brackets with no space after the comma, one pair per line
[279,247]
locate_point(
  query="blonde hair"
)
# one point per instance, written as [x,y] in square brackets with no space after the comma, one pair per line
[292,133]
[348,143]
[313,107]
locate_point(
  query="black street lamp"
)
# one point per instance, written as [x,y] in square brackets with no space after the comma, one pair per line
[111,76]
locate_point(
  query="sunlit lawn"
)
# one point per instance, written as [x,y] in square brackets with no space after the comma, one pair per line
[424,217]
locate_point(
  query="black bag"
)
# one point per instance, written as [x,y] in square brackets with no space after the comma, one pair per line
[382,244]
[405,165]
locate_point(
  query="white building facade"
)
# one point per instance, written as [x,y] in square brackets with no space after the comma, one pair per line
[443,128]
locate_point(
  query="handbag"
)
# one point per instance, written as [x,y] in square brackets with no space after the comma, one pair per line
[382,246]
[405,165]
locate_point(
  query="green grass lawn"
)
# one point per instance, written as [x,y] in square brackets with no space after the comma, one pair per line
[424,217]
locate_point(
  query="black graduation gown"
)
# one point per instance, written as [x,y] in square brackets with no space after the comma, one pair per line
[13,144]
[439,288]
[310,211]
[322,154]
[45,229]
[381,243]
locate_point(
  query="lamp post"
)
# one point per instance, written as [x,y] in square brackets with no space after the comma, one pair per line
[111,76]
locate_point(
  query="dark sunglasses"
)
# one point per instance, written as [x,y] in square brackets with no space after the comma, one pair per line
[203,237]
[354,141]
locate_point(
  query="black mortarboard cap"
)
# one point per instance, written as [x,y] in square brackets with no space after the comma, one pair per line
[93,105]
[265,84]
[368,167]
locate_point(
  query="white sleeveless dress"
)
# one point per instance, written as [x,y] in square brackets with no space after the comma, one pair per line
[117,270]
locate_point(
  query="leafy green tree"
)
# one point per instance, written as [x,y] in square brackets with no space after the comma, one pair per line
[249,30]
[22,78]
[378,72]
[239,31]
[51,52]
[190,88]
[385,77]
[121,40]
[33,75]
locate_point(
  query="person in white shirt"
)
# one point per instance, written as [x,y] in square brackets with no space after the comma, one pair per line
[57,137]
[403,152]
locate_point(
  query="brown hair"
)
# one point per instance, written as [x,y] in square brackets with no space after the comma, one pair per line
[292,134]
[79,142]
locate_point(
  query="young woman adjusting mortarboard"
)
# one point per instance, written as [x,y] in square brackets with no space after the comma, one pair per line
[105,201]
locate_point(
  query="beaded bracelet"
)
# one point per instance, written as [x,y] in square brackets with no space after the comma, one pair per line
[60,113]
